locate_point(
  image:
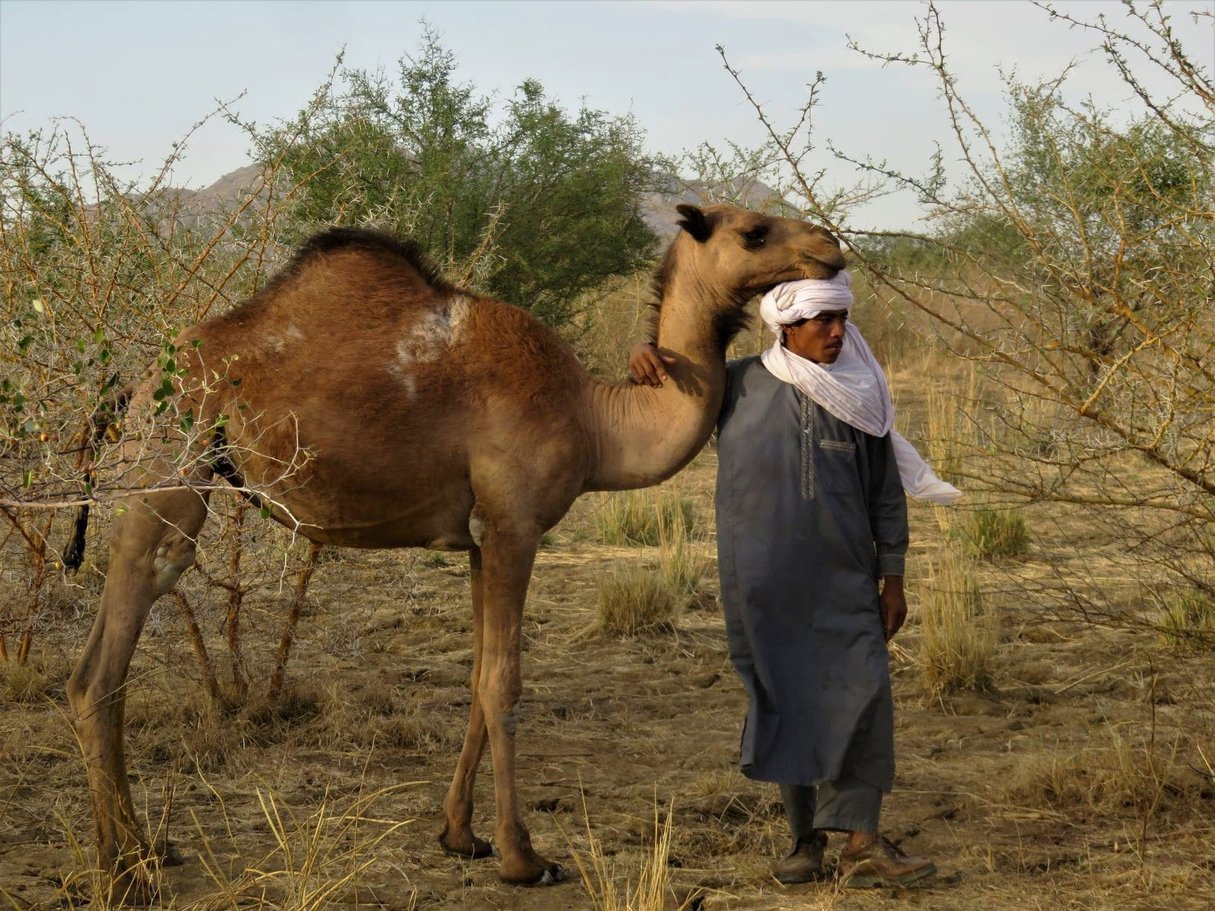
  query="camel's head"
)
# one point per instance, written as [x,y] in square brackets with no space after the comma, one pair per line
[738,253]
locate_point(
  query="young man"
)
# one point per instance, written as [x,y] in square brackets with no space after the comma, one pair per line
[811,514]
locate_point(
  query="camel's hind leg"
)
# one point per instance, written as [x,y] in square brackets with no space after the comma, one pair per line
[457,837]
[149,549]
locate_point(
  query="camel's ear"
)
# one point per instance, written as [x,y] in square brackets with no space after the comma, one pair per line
[694,222]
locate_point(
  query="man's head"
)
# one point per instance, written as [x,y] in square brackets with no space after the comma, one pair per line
[810,316]
[818,338]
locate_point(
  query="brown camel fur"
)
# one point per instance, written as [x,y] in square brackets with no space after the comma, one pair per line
[431,417]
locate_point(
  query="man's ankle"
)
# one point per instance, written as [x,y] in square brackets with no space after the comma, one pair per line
[858,841]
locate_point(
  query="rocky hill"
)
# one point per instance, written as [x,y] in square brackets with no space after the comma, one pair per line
[658,208]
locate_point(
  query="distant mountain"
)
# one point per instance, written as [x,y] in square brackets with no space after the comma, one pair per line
[657,208]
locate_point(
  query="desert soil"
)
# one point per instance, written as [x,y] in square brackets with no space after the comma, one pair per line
[1078,781]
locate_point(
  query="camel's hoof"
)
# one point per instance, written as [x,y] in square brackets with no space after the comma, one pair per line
[476,851]
[552,875]
[169,855]
[548,876]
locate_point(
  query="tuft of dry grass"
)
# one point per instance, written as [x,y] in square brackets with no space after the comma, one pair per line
[636,601]
[1135,767]
[1187,621]
[36,681]
[951,426]
[992,533]
[957,640]
[608,322]
[646,599]
[640,518]
[317,860]
[649,891]
[681,564]
[375,718]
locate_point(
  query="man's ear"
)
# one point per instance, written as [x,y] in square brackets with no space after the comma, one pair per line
[694,222]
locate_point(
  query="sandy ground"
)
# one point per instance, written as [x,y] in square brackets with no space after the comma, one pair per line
[1078,781]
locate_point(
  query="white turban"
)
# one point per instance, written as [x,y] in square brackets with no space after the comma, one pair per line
[853,389]
[792,301]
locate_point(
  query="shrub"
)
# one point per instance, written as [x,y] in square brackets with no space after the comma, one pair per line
[520,199]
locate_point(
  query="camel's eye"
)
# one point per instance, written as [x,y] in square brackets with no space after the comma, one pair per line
[755,238]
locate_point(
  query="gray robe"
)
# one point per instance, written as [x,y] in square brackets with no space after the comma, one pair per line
[810,511]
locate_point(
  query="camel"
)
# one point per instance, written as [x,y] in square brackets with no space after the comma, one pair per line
[432,417]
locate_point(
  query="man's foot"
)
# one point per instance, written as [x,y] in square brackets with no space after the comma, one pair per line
[881,863]
[804,863]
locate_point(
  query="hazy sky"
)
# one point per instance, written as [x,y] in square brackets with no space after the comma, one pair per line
[139,74]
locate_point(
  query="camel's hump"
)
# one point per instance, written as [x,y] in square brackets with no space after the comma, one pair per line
[380,243]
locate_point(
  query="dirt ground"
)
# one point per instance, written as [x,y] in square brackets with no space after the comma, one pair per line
[1080,781]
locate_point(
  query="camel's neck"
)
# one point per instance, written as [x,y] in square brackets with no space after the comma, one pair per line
[644,435]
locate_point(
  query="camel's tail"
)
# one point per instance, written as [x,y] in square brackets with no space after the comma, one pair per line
[103,423]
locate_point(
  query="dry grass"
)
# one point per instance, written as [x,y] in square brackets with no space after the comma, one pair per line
[953,435]
[377,717]
[609,322]
[640,518]
[957,635]
[317,859]
[682,561]
[1187,621]
[1027,794]
[38,681]
[1129,767]
[643,889]
[993,533]
[637,601]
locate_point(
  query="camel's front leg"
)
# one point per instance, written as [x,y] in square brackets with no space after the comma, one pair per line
[457,837]
[508,553]
[150,548]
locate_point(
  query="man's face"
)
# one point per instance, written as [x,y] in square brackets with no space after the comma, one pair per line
[819,339]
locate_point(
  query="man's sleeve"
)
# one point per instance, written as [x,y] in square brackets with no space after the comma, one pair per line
[887,508]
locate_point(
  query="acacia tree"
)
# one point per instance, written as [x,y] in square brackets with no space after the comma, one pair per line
[1074,262]
[1078,265]
[100,273]
[520,199]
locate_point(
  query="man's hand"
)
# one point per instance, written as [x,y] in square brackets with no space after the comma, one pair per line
[893,605]
[647,365]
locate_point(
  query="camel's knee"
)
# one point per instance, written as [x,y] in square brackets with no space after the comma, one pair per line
[172,558]
[77,688]
[90,695]
[500,702]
